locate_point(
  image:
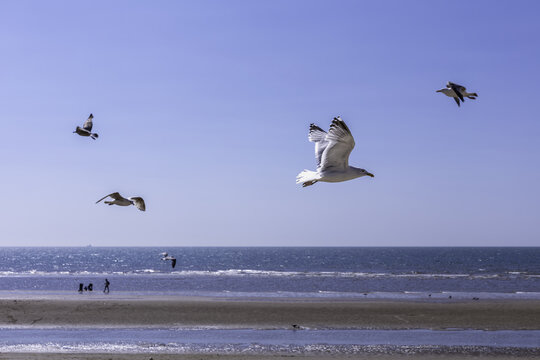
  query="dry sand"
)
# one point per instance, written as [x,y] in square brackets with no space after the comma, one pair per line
[185,312]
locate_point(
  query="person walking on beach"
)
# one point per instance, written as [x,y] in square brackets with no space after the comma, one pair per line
[106,289]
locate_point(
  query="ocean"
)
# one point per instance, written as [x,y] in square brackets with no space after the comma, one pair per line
[339,272]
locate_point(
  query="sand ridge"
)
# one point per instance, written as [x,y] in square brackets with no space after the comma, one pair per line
[265,314]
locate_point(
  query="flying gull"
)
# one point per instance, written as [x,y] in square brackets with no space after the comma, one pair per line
[332,151]
[167,257]
[122,201]
[457,92]
[86,130]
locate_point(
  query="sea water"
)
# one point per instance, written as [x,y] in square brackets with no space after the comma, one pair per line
[275,272]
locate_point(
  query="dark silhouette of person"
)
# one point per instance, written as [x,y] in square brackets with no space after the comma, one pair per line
[90,287]
[81,287]
[106,289]
[85,288]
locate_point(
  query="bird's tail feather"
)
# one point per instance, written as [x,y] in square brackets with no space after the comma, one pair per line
[307,178]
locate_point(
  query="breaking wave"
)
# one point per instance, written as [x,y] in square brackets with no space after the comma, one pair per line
[269,273]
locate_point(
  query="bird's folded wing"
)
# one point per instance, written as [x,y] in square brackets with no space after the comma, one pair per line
[318,136]
[139,203]
[88,123]
[454,85]
[115,196]
[340,145]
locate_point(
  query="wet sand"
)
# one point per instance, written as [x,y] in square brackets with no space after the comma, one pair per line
[86,356]
[271,314]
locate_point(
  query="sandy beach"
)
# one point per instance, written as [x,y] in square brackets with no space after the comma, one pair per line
[266,314]
[85,356]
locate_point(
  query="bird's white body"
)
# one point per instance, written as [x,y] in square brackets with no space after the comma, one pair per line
[120,202]
[332,151]
[349,173]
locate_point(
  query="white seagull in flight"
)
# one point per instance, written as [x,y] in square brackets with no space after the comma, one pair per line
[86,130]
[167,257]
[122,201]
[332,151]
[457,92]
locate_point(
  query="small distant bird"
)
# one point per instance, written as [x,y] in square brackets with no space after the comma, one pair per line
[86,130]
[457,92]
[166,257]
[122,201]
[332,151]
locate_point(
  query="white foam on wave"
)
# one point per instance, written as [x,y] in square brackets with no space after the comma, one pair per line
[267,273]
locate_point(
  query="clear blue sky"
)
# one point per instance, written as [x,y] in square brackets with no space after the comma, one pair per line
[203,109]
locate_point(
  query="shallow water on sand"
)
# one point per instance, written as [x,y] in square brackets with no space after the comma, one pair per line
[239,340]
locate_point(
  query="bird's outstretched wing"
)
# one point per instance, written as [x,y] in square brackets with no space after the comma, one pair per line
[88,123]
[173,263]
[114,195]
[139,202]
[456,100]
[457,89]
[318,136]
[340,144]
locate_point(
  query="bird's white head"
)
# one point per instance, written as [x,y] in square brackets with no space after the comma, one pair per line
[362,172]
[447,92]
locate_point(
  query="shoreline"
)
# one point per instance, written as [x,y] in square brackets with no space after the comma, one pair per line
[381,353]
[271,313]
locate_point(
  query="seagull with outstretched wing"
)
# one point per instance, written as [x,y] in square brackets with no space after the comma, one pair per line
[457,92]
[332,152]
[167,257]
[86,130]
[122,201]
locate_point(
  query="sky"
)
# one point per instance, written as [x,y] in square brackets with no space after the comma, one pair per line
[203,109]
